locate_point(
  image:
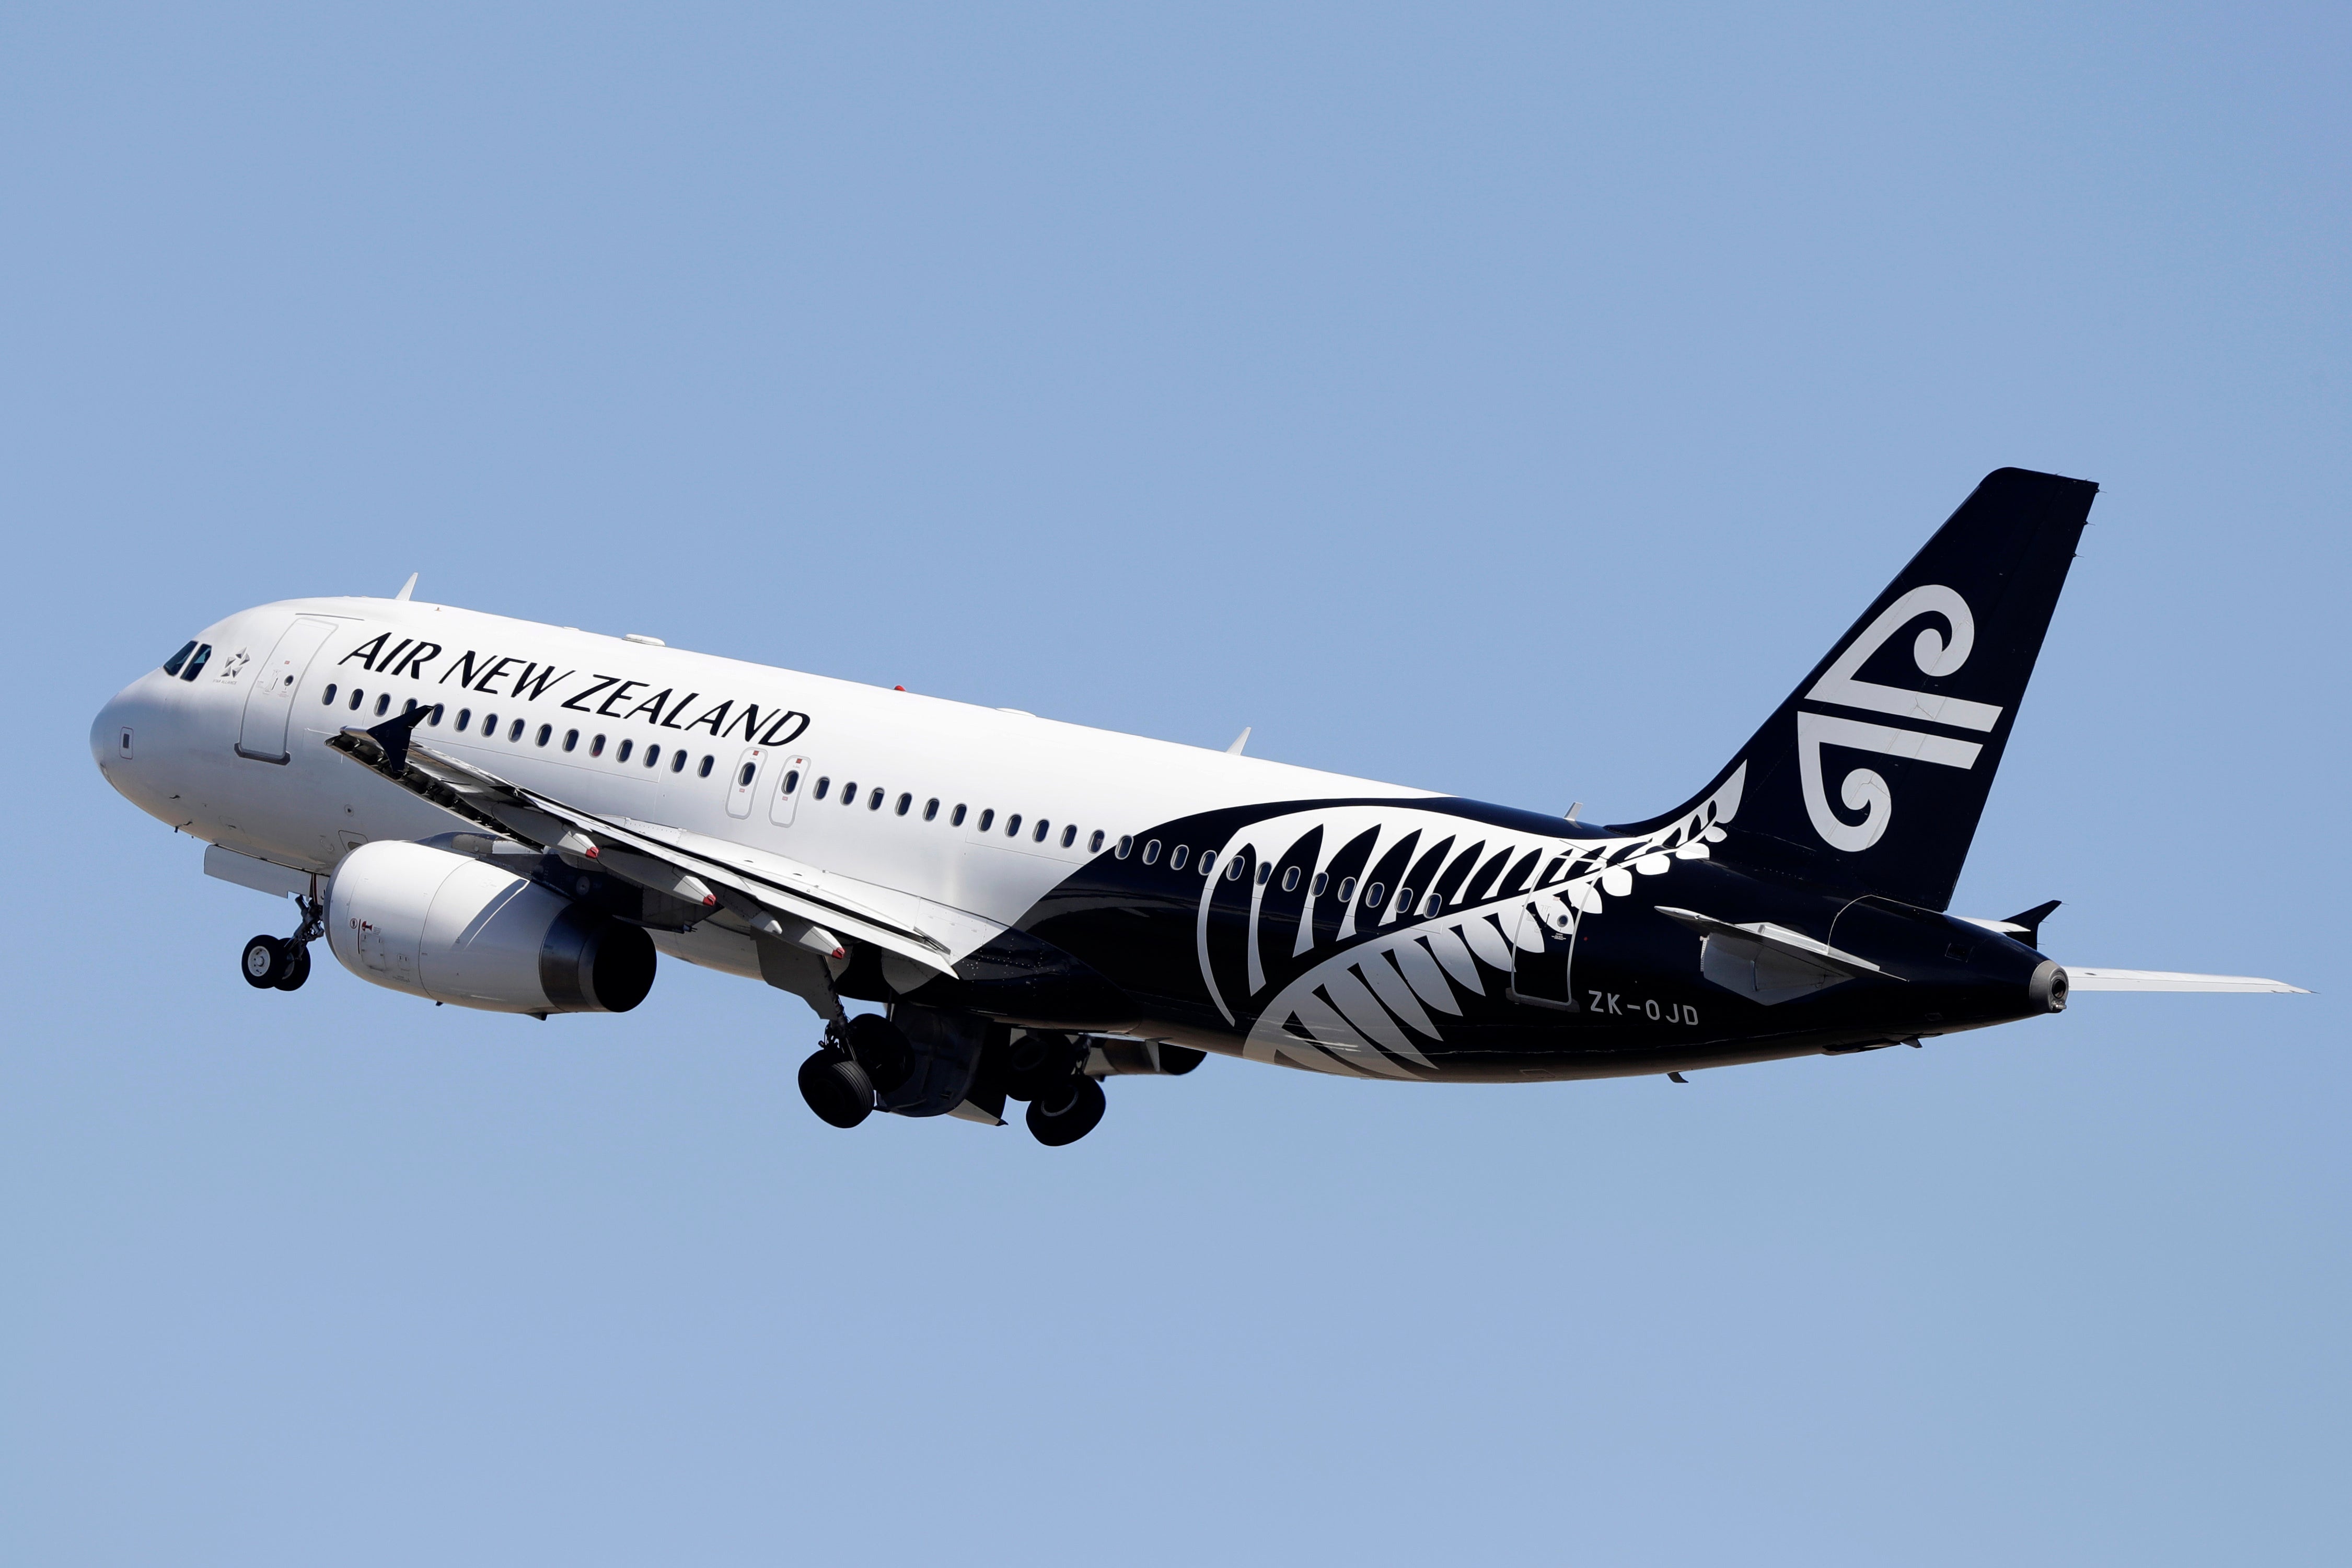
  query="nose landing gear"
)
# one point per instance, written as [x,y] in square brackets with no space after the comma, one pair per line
[282,963]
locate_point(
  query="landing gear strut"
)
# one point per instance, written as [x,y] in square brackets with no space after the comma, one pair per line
[282,963]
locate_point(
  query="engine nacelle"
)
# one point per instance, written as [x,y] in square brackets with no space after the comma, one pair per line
[461,931]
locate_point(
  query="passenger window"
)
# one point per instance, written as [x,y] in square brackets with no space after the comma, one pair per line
[1151,851]
[1069,837]
[955,818]
[596,746]
[1404,902]
[702,772]
[328,700]
[1176,861]
[1094,845]
[514,733]
[849,793]
[622,754]
[1264,870]
[1208,861]
[1290,879]
[465,717]
[171,666]
[1233,869]
[904,802]
[1012,826]
[1044,827]
[195,666]
[792,779]
[1126,843]
[743,775]
[358,696]
[874,801]
[571,740]
[1322,881]
[382,704]
[653,755]
[1373,895]
[931,810]
[822,786]
[434,719]
[547,732]
[1436,902]
[987,818]
[408,708]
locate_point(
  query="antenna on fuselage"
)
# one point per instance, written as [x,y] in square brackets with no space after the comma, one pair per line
[1239,741]
[405,588]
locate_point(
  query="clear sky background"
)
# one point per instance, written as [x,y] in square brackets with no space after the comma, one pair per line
[1509,401]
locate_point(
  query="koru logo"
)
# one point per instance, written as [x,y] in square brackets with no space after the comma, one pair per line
[1863,789]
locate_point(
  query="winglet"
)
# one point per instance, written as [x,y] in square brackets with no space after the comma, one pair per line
[405,588]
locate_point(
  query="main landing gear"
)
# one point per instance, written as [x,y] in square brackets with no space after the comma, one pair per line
[865,1059]
[283,963]
[1048,1071]
[861,1059]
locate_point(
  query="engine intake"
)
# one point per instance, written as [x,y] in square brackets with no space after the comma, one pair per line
[457,930]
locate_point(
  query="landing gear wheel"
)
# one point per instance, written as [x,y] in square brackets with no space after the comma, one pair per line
[264,961]
[1066,1113]
[836,1088]
[297,966]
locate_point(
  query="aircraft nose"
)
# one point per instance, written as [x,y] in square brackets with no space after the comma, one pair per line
[125,728]
[111,731]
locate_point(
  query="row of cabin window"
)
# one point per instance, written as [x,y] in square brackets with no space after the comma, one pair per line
[490,730]
[1039,831]
[1374,895]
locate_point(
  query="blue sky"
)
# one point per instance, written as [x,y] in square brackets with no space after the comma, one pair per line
[1513,402]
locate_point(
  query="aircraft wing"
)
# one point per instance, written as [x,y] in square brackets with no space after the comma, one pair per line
[2165,980]
[774,895]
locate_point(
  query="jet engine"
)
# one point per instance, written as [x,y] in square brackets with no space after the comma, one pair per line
[462,931]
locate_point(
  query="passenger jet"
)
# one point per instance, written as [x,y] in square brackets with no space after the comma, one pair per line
[498,814]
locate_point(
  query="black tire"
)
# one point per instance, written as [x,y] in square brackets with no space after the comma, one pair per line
[1067,1114]
[262,962]
[882,1048]
[836,1089]
[297,966]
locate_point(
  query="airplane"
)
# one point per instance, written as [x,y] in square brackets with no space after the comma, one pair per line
[498,814]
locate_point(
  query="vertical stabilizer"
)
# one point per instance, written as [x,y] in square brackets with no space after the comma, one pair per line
[1871,776]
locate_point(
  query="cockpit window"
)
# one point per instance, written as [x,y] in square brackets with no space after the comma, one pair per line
[196,665]
[171,666]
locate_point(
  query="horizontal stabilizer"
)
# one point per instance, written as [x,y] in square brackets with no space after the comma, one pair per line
[2166,980]
[1769,963]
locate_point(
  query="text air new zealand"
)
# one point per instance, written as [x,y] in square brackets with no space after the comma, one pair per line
[502,815]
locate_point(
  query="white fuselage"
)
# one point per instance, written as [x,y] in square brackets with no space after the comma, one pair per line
[199,756]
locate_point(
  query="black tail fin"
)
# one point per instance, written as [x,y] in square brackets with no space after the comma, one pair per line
[1873,774]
